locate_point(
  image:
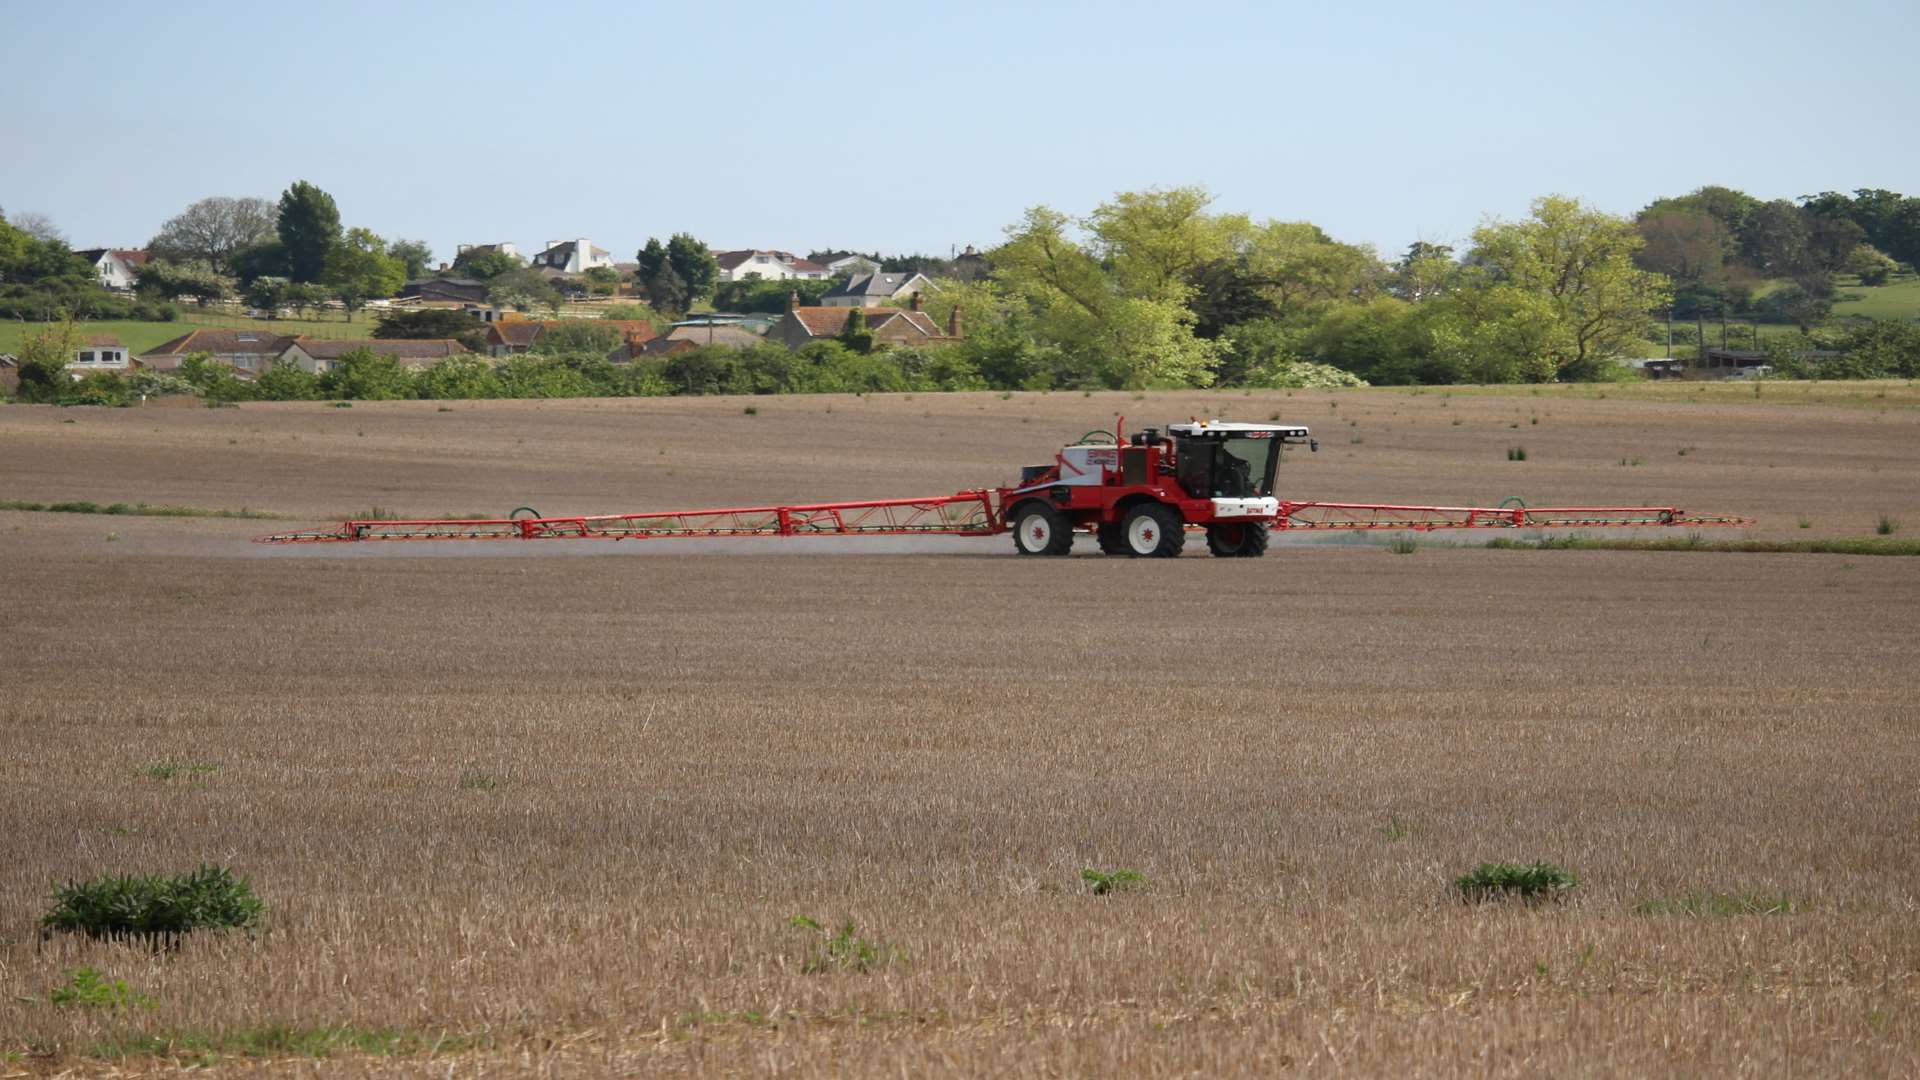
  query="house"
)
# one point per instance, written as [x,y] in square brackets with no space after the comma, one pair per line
[890,325]
[572,256]
[317,355]
[444,291]
[246,351]
[875,289]
[100,352]
[515,336]
[970,265]
[487,249]
[118,267]
[9,373]
[768,266]
[852,265]
[727,335]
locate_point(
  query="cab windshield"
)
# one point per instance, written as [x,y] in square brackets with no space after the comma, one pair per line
[1230,468]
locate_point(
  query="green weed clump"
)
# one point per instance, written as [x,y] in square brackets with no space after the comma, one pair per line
[1886,526]
[166,769]
[844,949]
[155,906]
[130,509]
[1105,882]
[1516,453]
[1531,882]
[277,1041]
[88,989]
[1403,545]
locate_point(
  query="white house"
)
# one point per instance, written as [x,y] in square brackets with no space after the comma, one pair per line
[572,256]
[768,266]
[116,266]
[873,290]
[100,352]
[504,248]
[852,266]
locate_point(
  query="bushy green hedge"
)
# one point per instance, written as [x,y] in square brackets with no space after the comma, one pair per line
[154,906]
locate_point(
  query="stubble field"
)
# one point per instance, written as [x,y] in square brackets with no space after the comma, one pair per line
[550,809]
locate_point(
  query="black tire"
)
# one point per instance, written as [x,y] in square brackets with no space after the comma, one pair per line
[1152,531]
[1039,529]
[1237,539]
[1112,540]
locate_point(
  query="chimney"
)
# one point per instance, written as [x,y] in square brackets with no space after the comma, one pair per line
[914,303]
[953,322]
[582,255]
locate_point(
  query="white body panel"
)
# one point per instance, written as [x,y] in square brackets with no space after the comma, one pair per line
[1087,464]
[1252,508]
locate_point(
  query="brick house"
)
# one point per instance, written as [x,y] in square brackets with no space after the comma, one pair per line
[249,352]
[892,326]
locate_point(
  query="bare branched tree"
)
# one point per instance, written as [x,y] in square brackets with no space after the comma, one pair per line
[212,229]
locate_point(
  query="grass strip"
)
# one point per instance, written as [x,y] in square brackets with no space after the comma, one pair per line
[1866,545]
[277,1040]
[134,510]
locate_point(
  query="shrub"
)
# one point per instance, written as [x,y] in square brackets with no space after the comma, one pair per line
[88,989]
[1532,882]
[844,949]
[155,906]
[1886,526]
[1517,453]
[1403,545]
[1105,882]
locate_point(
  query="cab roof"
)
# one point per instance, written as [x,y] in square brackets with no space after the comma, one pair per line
[1224,428]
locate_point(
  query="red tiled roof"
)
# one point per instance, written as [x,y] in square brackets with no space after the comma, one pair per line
[103,341]
[808,265]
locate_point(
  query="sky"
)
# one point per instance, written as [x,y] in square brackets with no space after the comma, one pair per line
[929,127]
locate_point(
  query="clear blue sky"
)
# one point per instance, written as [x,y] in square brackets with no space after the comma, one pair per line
[919,127]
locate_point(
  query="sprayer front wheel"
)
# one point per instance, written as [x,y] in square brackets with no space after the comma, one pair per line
[1237,539]
[1039,529]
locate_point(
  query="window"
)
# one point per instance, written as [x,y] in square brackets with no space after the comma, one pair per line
[761,259]
[86,358]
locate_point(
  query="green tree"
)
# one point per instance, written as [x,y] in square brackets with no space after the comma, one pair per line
[414,255]
[458,378]
[854,334]
[286,381]
[523,290]
[173,281]
[309,230]
[485,265]
[1119,305]
[301,295]
[213,380]
[694,264]
[1871,265]
[43,362]
[1566,278]
[433,324]
[268,294]
[590,336]
[365,375]
[359,269]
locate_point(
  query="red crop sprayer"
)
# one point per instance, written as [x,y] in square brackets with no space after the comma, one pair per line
[1139,496]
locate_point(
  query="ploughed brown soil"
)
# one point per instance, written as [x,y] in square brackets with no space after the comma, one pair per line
[550,808]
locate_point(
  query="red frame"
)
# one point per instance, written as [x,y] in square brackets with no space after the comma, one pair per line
[984,512]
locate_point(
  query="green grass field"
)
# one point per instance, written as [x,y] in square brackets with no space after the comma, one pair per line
[141,336]
[1898,299]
